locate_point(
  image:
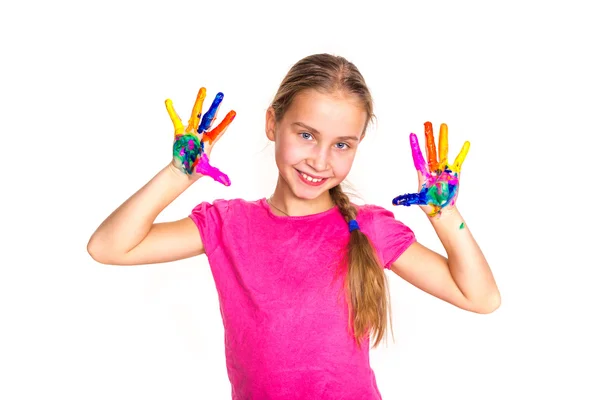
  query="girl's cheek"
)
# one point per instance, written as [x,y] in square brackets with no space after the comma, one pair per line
[292,154]
[298,150]
[345,162]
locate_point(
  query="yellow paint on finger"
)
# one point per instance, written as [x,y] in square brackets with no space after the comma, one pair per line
[196,111]
[460,158]
[443,147]
[177,124]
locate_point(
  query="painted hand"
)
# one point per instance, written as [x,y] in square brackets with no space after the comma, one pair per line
[437,180]
[192,145]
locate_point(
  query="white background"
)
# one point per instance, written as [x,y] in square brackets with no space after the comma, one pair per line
[83,126]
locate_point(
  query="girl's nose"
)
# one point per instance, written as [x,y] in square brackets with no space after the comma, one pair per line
[319,159]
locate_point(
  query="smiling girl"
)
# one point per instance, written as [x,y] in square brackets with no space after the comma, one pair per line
[301,274]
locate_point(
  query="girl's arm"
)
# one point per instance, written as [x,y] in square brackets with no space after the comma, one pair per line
[464,279]
[129,235]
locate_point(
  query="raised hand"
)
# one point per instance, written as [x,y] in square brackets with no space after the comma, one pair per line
[438,181]
[192,145]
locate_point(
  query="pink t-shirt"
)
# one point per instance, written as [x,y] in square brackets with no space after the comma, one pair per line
[284,312]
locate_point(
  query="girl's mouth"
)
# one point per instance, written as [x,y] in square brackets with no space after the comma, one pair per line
[310,180]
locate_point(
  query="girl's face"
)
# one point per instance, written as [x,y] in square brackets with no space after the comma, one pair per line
[316,141]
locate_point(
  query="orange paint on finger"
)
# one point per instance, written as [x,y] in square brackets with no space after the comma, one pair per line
[430,147]
[214,134]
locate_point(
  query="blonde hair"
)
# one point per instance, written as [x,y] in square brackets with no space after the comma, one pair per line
[365,282]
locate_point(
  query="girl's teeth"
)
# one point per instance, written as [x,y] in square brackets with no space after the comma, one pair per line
[308,178]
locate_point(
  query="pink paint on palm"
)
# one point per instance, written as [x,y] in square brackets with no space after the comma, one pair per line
[418,156]
[205,168]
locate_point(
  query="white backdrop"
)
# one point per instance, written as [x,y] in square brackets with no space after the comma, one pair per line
[84,126]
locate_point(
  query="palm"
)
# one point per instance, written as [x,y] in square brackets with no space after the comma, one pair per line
[438,181]
[192,145]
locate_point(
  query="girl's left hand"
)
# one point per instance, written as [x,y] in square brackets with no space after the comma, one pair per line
[438,182]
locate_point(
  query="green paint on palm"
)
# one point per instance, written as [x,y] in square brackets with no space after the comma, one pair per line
[462,226]
[438,194]
[186,150]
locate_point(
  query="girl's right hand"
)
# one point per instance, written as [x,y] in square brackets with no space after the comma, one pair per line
[192,145]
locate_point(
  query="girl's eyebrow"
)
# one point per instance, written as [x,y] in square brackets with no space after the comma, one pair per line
[313,130]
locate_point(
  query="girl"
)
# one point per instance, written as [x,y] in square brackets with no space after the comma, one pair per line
[300,275]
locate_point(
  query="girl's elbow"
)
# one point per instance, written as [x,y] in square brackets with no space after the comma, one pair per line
[99,253]
[96,254]
[489,306]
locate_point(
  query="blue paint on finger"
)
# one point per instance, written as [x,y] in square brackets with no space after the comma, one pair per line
[208,118]
[410,199]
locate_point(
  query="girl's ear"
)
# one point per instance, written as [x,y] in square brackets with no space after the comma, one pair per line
[270,124]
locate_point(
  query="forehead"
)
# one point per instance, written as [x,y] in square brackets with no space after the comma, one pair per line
[333,115]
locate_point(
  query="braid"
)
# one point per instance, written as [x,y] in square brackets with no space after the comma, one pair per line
[343,202]
[365,283]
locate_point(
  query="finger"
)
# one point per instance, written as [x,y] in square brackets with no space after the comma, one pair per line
[208,118]
[177,124]
[443,147]
[216,133]
[409,199]
[417,155]
[205,168]
[196,111]
[430,146]
[460,158]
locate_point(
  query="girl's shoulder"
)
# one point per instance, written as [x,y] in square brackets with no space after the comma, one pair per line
[374,218]
[371,211]
[236,202]
[230,206]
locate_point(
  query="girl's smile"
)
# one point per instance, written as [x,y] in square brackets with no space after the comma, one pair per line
[310,179]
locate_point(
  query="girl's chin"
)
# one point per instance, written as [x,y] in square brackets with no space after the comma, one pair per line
[310,193]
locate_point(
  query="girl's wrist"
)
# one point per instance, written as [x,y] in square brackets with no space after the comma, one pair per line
[445,215]
[180,175]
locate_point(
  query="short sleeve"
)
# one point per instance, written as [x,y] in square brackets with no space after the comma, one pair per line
[389,236]
[209,220]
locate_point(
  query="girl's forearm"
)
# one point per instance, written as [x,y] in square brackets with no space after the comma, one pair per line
[466,261]
[129,224]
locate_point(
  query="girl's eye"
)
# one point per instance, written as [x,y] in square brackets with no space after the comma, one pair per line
[340,145]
